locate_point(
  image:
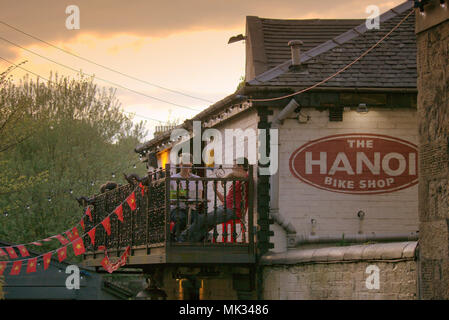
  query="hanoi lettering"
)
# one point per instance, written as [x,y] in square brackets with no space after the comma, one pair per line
[356,164]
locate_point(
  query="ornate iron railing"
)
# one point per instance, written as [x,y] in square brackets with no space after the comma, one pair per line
[158,219]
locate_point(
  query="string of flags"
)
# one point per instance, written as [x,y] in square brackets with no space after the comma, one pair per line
[74,239]
[111,267]
[67,191]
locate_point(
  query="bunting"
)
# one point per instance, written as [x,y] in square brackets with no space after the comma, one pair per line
[61,239]
[131,200]
[15,270]
[47,260]
[91,234]
[12,253]
[119,212]
[107,225]
[142,189]
[74,238]
[78,247]
[111,267]
[23,251]
[62,253]
[88,212]
[31,267]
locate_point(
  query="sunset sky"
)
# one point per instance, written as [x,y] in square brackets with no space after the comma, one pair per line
[177,44]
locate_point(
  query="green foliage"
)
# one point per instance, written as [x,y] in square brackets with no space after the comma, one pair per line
[241,83]
[79,135]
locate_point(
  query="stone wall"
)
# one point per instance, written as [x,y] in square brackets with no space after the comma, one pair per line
[433,114]
[341,273]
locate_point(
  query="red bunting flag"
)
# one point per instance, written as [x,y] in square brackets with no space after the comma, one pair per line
[105,263]
[61,239]
[75,232]
[31,267]
[70,235]
[47,260]
[91,234]
[12,253]
[2,267]
[62,253]
[119,212]
[2,253]
[89,213]
[23,251]
[36,243]
[82,224]
[15,270]
[107,225]
[111,267]
[131,200]
[78,247]
[142,188]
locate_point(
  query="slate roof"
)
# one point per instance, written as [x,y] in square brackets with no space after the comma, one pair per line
[328,46]
[391,65]
[313,32]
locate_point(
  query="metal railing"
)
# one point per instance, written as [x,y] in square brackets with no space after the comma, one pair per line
[177,210]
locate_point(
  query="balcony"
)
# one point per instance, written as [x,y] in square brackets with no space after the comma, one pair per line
[153,236]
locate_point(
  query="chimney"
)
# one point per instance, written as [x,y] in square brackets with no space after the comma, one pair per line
[295,46]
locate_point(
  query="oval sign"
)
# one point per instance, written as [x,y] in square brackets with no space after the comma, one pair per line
[357,163]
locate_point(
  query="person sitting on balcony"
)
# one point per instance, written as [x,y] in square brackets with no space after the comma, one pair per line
[180,199]
[204,223]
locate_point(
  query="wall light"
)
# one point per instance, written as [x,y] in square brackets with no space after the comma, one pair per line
[362,108]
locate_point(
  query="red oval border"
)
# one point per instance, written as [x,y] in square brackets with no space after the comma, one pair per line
[295,174]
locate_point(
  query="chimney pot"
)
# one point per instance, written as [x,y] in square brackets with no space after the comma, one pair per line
[295,46]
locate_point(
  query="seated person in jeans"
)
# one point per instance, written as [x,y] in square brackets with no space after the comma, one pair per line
[179,197]
[203,223]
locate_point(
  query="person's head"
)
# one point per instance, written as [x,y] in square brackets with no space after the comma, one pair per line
[241,164]
[185,162]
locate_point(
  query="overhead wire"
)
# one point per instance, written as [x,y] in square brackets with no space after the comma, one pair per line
[103,66]
[96,77]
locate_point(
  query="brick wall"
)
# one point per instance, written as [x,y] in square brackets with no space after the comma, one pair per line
[433,110]
[336,213]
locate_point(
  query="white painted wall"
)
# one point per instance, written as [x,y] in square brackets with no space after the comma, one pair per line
[336,213]
[244,121]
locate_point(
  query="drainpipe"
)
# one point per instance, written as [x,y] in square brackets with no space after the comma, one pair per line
[274,180]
